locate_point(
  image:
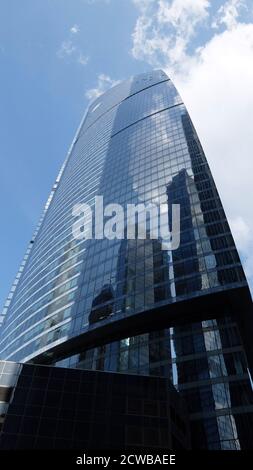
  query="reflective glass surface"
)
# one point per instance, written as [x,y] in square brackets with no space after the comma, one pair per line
[136,144]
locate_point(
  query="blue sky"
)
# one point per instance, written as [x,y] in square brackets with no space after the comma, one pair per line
[56,55]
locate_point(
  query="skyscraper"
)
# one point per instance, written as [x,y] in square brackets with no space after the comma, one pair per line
[131,305]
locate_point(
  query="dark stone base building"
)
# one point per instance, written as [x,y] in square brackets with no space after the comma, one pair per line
[56,408]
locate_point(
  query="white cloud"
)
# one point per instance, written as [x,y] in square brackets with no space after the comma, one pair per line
[215,81]
[75,29]
[104,82]
[70,49]
[243,236]
[164,29]
[67,49]
[229,13]
[241,232]
[82,59]
[183,15]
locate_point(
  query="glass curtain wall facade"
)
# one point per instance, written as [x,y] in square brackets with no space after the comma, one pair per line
[137,144]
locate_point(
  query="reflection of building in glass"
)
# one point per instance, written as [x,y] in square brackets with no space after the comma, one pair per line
[102,305]
[135,289]
[185,260]
[128,305]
